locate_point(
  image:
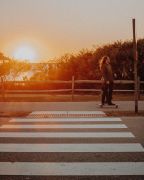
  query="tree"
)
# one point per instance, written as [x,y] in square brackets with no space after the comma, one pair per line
[17,68]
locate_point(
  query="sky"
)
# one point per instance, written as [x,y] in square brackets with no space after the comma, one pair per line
[50,28]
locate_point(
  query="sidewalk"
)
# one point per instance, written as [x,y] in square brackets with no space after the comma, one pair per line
[67,106]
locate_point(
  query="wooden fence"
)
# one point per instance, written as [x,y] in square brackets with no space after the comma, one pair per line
[71,90]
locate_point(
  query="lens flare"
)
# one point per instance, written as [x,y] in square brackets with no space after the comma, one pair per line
[25,53]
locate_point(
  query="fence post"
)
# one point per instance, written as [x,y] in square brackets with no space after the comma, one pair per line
[73,88]
[2,89]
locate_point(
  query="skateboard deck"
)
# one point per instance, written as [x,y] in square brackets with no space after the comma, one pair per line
[108,106]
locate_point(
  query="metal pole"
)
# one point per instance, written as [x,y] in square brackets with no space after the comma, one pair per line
[135,66]
[139,88]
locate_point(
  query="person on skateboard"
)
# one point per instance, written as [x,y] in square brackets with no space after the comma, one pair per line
[107,81]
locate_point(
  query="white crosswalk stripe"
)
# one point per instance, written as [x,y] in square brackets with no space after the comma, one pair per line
[63,126]
[17,135]
[110,147]
[67,134]
[102,119]
[111,168]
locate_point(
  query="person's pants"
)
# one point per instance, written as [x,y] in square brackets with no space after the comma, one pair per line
[107,90]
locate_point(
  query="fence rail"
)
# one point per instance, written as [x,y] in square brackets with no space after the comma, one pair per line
[76,81]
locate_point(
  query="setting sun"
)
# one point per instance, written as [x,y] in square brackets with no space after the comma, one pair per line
[25,53]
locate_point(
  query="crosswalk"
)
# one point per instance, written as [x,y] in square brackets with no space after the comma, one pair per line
[70,144]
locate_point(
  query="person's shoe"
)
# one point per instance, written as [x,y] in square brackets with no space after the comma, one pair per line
[111,104]
[106,102]
[102,104]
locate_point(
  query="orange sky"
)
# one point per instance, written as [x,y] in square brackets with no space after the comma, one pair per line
[54,27]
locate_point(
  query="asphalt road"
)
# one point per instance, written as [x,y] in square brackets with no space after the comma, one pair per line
[71,144]
[67,106]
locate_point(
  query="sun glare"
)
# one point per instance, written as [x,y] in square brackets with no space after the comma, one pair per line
[25,53]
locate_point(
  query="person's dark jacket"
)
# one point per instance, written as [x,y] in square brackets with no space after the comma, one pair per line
[107,72]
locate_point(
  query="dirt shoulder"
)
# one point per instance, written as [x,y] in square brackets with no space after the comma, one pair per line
[65,98]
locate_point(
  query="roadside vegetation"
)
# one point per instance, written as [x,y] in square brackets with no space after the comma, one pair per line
[83,66]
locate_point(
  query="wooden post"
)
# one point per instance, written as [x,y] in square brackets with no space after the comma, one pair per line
[135,55]
[2,89]
[2,85]
[72,88]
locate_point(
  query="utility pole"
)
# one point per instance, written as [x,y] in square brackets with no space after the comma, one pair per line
[135,55]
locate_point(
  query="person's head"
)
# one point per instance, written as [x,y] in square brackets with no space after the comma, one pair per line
[104,60]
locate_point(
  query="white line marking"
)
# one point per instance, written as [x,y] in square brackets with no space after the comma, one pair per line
[49,112]
[86,112]
[59,126]
[71,169]
[66,119]
[67,112]
[106,147]
[67,135]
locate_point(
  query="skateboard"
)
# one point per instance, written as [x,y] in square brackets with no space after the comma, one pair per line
[108,106]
